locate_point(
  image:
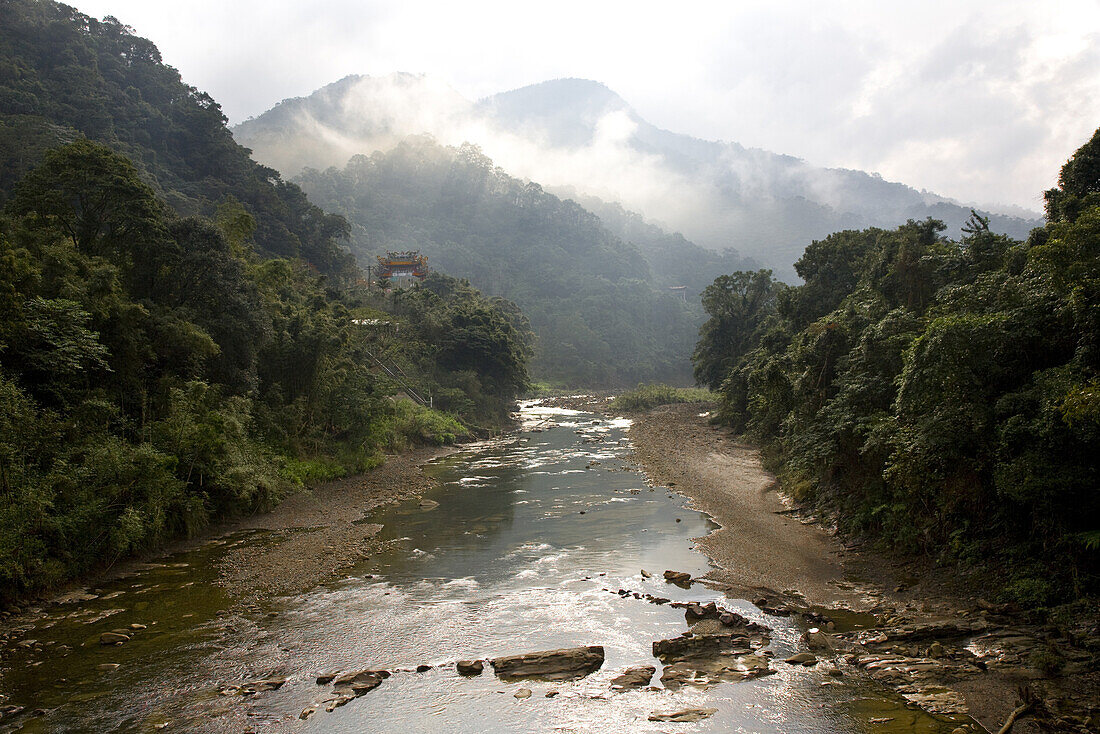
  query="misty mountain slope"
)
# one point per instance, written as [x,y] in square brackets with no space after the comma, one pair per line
[578,133]
[64,75]
[673,260]
[600,318]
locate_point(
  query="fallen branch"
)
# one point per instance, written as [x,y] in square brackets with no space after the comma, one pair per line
[1028,699]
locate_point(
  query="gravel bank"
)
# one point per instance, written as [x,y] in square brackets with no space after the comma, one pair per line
[761,548]
[316,533]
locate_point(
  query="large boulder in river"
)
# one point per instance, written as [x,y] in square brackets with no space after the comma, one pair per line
[566,664]
[358,682]
[469,667]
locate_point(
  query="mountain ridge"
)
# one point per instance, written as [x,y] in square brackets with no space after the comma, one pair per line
[580,133]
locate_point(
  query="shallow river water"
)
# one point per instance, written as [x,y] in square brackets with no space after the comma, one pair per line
[531,537]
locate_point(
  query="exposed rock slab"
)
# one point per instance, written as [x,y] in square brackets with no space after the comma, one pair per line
[565,664]
[686,715]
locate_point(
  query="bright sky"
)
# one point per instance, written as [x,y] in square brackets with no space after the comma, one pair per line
[982,100]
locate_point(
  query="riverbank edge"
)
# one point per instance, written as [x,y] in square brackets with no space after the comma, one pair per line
[397,479]
[990,698]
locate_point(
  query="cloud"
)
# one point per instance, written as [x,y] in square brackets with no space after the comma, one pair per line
[1007,86]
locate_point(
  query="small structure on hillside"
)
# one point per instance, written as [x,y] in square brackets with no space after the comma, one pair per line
[680,290]
[408,264]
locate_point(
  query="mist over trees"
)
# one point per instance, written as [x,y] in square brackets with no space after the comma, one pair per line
[937,394]
[602,314]
[580,134]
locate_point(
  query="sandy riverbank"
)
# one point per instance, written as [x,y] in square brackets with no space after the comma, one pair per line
[761,549]
[321,531]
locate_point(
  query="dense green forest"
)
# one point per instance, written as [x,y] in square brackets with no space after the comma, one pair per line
[64,75]
[602,316]
[182,338]
[156,373]
[942,396]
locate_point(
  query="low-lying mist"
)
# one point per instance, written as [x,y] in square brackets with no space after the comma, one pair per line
[579,134]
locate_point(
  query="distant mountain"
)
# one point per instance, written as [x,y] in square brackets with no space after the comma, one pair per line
[580,134]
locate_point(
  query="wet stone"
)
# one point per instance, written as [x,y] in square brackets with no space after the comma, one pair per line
[684,716]
[679,578]
[469,667]
[636,677]
[802,658]
[564,664]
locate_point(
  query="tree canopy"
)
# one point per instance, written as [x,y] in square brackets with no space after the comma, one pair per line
[155,373]
[938,395]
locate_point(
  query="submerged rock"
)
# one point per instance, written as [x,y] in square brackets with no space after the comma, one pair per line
[265,684]
[686,715]
[565,664]
[679,578]
[113,638]
[636,677]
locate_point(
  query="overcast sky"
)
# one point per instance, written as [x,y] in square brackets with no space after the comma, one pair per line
[981,101]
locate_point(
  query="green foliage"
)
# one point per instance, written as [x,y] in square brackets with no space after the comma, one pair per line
[1078,184]
[738,306]
[412,423]
[155,372]
[646,397]
[1047,661]
[155,375]
[64,75]
[937,395]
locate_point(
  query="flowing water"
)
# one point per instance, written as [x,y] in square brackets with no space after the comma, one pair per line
[532,536]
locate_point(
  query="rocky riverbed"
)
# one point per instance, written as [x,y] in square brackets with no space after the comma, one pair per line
[935,639]
[544,566]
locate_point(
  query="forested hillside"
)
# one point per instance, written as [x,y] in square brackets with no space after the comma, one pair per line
[599,313]
[64,75]
[942,396]
[181,338]
[156,373]
[674,260]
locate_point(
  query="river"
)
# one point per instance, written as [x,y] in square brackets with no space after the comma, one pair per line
[521,546]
